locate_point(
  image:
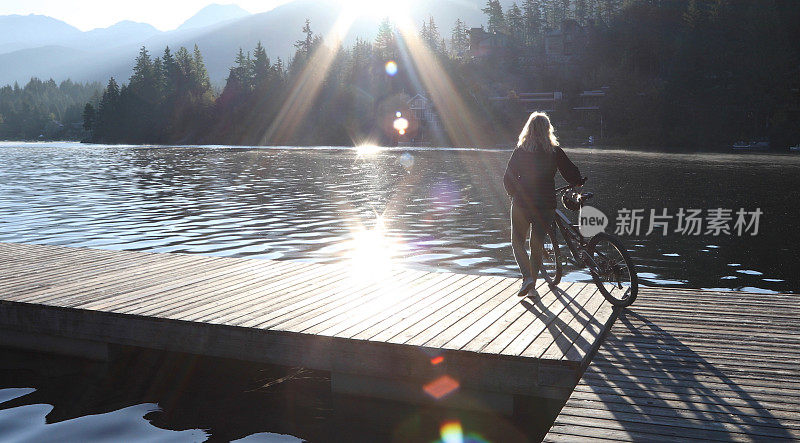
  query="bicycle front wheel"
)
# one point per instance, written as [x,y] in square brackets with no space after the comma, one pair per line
[552,261]
[612,269]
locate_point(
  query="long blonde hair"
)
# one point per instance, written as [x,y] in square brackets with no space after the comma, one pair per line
[538,132]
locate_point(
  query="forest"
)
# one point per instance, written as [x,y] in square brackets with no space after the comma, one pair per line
[674,75]
[45,110]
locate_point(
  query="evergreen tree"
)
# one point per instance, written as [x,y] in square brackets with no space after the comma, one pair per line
[158,70]
[532,18]
[108,122]
[142,97]
[459,42]
[565,11]
[45,110]
[551,15]
[143,71]
[89,117]
[693,15]
[515,23]
[430,35]
[200,79]
[668,65]
[278,69]
[169,73]
[304,46]
[609,8]
[385,45]
[581,11]
[494,14]
[262,69]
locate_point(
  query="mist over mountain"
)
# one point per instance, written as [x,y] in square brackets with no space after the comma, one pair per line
[213,14]
[25,31]
[122,33]
[218,30]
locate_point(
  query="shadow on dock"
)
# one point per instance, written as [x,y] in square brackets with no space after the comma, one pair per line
[696,382]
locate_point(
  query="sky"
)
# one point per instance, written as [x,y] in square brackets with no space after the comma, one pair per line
[90,14]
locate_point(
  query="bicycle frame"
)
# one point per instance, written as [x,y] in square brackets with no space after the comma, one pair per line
[585,254]
[572,237]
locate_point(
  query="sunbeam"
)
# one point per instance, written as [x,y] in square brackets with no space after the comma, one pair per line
[306,88]
[459,123]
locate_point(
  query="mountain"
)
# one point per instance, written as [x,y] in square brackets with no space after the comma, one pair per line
[122,33]
[44,62]
[213,14]
[25,31]
[90,59]
[281,27]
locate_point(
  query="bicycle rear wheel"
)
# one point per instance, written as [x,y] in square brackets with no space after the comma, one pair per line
[552,259]
[612,269]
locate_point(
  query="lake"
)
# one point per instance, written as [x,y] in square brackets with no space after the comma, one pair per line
[430,209]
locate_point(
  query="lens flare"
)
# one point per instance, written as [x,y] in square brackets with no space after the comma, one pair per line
[452,432]
[391,68]
[398,114]
[441,387]
[406,160]
[400,125]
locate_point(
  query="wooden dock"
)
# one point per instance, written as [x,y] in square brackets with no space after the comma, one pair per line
[692,365]
[402,334]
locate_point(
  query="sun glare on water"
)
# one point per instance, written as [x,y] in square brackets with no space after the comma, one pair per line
[372,251]
[367,150]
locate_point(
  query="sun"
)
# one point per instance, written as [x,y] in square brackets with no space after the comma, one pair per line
[379,9]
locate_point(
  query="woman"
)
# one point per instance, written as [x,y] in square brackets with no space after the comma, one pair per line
[530,181]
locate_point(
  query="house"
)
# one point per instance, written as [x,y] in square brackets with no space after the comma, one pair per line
[587,113]
[589,101]
[424,118]
[532,101]
[483,44]
[423,111]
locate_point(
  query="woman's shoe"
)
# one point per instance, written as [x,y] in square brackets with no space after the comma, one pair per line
[527,285]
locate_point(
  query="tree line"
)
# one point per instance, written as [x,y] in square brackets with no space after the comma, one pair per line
[677,74]
[44,110]
[167,99]
[680,74]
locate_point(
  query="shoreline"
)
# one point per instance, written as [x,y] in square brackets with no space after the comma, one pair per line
[509,148]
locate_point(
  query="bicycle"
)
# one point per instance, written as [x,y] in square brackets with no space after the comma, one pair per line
[606,258]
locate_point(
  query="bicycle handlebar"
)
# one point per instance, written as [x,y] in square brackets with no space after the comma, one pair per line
[564,188]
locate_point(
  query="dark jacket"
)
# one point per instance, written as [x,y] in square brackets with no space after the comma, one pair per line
[530,176]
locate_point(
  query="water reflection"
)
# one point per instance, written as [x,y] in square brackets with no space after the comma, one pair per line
[145,395]
[28,423]
[382,208]
[371,253]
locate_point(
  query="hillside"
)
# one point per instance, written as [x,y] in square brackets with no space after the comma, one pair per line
[89,57]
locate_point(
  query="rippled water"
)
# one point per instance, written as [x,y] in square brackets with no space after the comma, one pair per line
[431,208]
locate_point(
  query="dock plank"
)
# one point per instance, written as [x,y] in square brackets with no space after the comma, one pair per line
[356,323]
[691,364]
[408,314]
[426,315]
